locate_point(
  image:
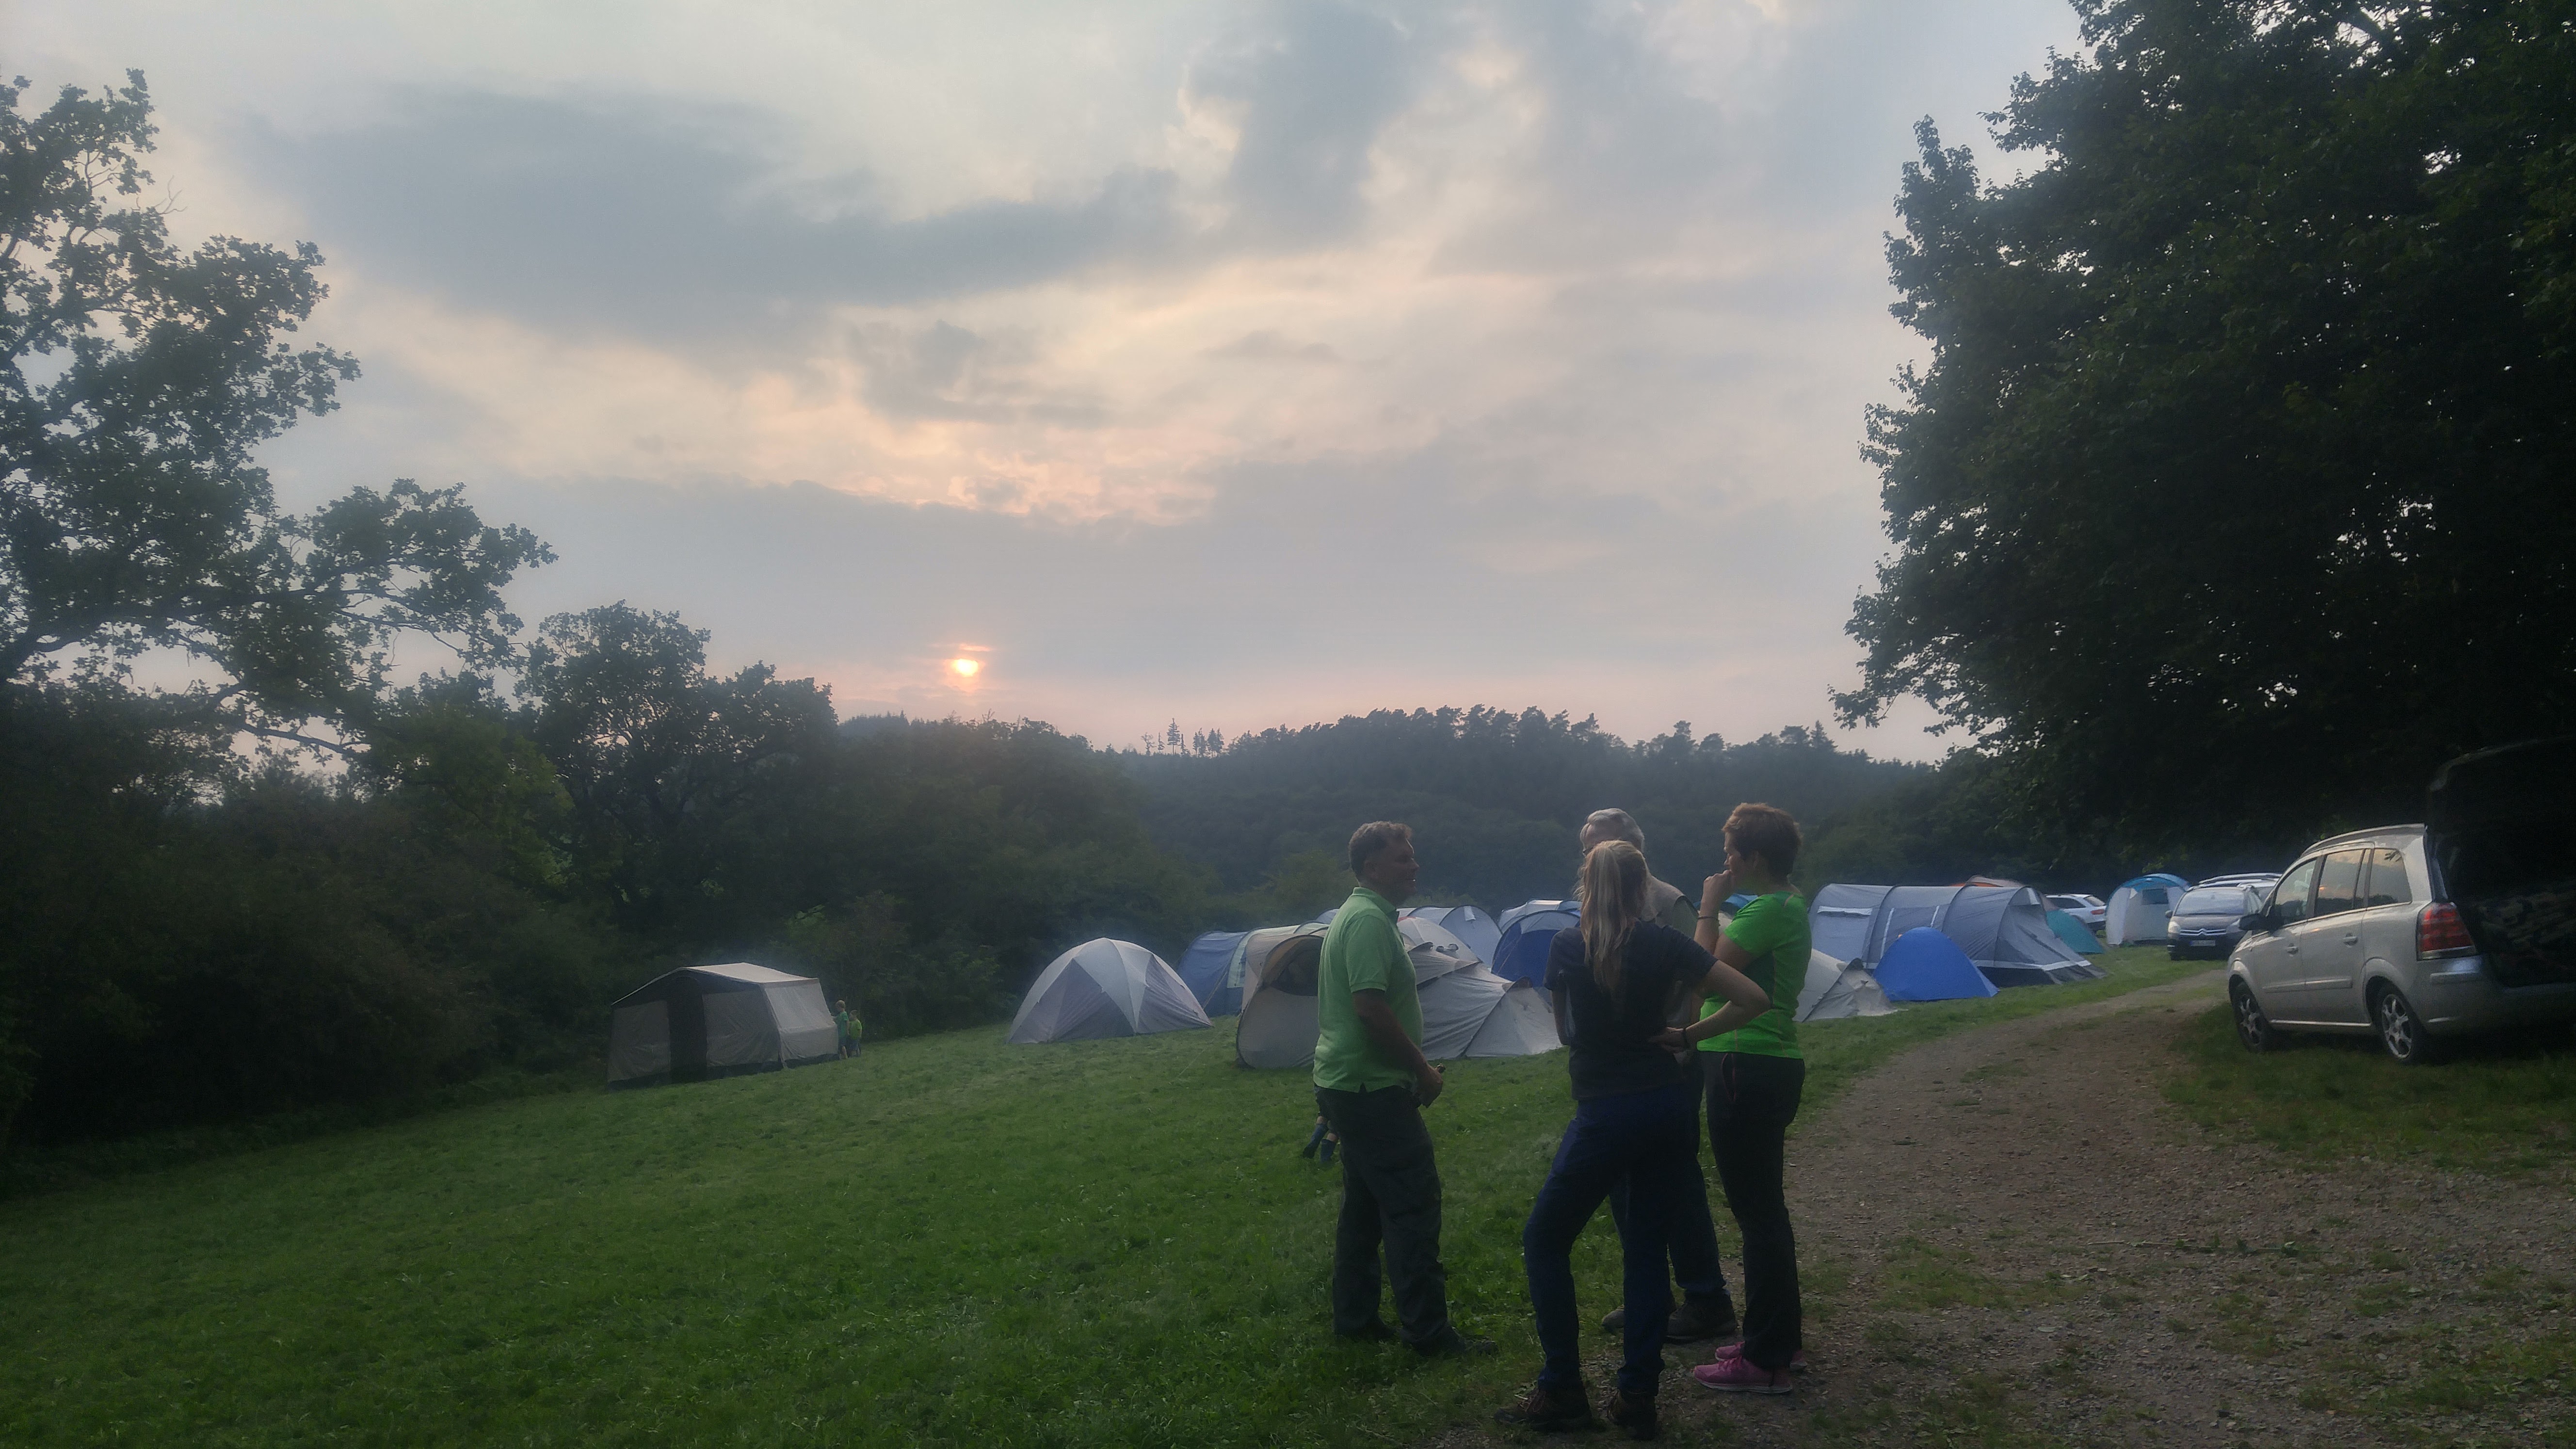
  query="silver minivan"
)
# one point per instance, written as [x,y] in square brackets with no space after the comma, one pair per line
[2360,936]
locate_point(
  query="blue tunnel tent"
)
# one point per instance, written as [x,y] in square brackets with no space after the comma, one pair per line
[1205,967]
[1474,929]
[2003,929]
[2075,933]
[1527,932]
[1925,965]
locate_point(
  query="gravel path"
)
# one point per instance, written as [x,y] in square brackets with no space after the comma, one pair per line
[2008,1237]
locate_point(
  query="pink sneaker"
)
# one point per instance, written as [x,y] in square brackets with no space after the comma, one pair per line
[1731,1374]
[1797,1356]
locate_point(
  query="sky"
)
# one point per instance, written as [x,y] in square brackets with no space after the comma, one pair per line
[1233,365]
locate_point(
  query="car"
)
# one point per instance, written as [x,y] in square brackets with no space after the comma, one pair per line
[2426,934]
[2210,917]
[2087,910]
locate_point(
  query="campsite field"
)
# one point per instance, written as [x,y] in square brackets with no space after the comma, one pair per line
[948,1241]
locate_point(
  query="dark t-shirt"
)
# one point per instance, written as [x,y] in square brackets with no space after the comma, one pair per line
[1613,1047]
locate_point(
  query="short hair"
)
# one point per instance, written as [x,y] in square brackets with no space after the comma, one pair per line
[1769,832]
[1615,824]
[1374,839]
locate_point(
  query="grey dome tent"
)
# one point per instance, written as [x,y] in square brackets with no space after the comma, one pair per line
[1474,929]
[1104,988]
[1835,990]
[1467,1011]
[2004,929]
[715,1021]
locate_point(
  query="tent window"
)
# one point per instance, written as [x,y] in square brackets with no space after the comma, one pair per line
[2388,884]
[1906,918]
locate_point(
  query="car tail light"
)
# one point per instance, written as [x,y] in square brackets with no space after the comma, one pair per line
[2439,931]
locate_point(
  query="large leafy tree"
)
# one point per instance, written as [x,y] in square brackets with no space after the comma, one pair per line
[2237,484]
[137,377]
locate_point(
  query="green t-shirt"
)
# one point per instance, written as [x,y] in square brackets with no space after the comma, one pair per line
[849,1022]
[1774,929]
[1362,952]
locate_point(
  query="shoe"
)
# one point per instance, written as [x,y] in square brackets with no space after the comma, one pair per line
[1638,1419]
[1375,1331]
[1734,1374]
[1546,1412]
[1797,1356]
[1450,1343]
[1699,1320]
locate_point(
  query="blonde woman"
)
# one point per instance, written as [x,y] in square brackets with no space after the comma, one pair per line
[1615,980]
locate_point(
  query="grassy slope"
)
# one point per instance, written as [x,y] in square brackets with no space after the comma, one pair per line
[950,1241]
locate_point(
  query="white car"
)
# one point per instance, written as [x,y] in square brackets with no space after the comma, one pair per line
[2087,909]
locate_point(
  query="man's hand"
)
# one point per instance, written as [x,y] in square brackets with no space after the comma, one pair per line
[1427,1084]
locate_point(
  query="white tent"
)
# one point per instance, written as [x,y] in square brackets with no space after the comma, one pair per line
[1104,988]
[1467,1011]
[713,1021]
[2140,909]
[2004,929]
[1834,991]
[1474,929]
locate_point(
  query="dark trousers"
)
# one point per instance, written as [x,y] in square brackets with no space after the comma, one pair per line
[1751,1100]
[1390,1197]
[1645,1140]
[1692,1242]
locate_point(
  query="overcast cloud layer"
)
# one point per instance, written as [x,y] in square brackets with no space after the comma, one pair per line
[1237,364]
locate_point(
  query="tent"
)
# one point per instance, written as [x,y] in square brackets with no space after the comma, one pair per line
[1474,929]
[1520,954]
[2141,907]
[2004,929]
[715,1021]
[1853,990]
[1104,988]
[1210,969]
[2075,933]
[1467,1011]
[1925,965]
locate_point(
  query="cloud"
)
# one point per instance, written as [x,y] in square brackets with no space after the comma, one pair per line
[1307,87]
[1268,346]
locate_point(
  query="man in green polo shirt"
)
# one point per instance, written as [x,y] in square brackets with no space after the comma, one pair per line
[1371,1084]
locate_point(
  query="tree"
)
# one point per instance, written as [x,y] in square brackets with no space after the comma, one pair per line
[2236,485]
[136,380]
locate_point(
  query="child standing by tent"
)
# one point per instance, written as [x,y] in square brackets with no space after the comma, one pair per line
[848,1021]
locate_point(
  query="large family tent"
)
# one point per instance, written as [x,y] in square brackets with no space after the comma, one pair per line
[1104,988]
[2140,909]
[2004,929]
[1212,969]
[1527,932]
[716,1021]
[1467,1011]
[1474,929]
[1925,965]
[2074,933]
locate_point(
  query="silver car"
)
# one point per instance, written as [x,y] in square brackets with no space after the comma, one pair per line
[2362,936]
[2210,917]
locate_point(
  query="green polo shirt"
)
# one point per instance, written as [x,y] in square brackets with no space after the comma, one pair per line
[1362,952]
[1774,929]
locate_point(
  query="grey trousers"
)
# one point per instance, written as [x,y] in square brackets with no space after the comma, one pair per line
[1390,1200]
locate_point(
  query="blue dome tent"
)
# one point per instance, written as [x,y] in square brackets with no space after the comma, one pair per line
[1528,930]
[1207,968]
[1924,965]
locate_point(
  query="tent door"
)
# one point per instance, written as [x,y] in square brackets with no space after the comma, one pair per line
[688,1034]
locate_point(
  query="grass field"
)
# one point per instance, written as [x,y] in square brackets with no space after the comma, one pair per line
[2503,1105]
[949,1241]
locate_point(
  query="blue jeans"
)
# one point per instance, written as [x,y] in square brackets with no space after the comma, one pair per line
[1649,1139]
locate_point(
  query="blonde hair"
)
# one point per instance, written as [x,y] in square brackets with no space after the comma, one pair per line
[1613,892]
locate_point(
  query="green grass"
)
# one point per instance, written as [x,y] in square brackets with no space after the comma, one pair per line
[950,1241]
[2499,1106]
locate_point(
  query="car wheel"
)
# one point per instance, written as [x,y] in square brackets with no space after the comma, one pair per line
[2253,1028]
[2401,1031]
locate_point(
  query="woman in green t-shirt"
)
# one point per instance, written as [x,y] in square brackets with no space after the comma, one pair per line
[1754,1076]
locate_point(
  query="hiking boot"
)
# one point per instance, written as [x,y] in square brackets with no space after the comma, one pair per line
[1373,1331]
[1735,1374]
[1696,1321]
[1797,1356]
[1450,1343]
[1546,1412]
[1637,1419]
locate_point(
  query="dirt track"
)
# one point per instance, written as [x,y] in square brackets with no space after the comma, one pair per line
[2008,1236]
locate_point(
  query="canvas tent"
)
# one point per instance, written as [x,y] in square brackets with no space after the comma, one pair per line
[2075,933]
[1925,965]
[2004,929]
[1104,988]
[715,1021]
[1212,969]
[2141,907]
[1528,931]
[1467,1011]
[1474,929]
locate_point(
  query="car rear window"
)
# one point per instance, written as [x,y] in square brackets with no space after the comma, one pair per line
[2387,883]
[2339,883]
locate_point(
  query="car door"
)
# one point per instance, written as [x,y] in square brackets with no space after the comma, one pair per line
[2330,941]
[2387,915]
[2272,959]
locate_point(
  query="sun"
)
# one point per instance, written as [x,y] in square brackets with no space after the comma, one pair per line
[966,668]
